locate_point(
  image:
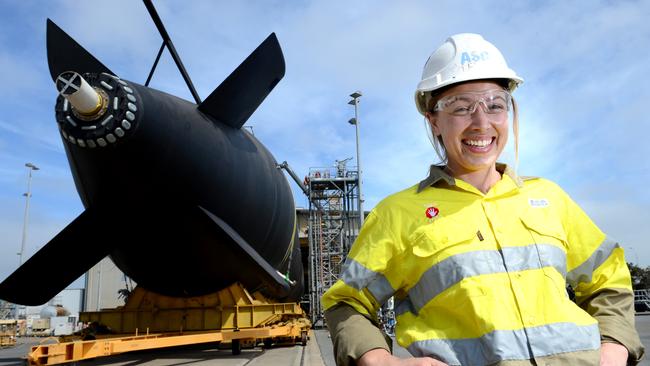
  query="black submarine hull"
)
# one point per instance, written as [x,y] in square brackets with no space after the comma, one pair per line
[151,183]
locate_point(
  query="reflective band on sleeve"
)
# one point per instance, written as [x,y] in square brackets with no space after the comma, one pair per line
[356,275]
[502,345]
[583,272]
[359,277]
[381,289]
[454,269]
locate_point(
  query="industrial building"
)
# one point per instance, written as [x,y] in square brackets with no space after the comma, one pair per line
[105,286]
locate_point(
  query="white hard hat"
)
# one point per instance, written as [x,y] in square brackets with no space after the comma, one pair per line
[463,57]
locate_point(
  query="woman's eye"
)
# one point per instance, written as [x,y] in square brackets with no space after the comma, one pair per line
[497,107]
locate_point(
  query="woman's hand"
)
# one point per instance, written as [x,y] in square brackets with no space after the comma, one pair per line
[381,357]
[613,354]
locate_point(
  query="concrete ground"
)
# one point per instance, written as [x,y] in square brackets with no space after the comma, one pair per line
[205,354]
[643,327]
[318,352]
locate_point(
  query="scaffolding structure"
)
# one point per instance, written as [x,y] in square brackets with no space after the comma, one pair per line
[333,226]
[7,310]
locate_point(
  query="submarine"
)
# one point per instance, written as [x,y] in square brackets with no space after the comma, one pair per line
[183,199]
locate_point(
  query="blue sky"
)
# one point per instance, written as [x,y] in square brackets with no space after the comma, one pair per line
[583,104]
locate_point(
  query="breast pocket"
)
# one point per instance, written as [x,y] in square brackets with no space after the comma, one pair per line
[442,238]
[544,227]
[444,261]
[549,245]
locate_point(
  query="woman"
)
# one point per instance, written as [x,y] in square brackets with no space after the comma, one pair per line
[477,258]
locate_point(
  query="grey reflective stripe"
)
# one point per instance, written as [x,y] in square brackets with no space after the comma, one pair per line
[520,344]
[454,269]
[381,289]
[583,272]
[356,275]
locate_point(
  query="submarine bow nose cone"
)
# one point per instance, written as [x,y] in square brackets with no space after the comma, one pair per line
[96,110]
[79,93]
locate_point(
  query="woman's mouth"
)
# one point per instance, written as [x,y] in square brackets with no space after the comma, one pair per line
[479,144]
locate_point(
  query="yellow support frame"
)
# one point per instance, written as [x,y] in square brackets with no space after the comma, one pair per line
[230,315]
[231,308]
[53,354]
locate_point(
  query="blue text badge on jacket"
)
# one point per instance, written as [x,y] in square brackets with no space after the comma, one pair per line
[538,202]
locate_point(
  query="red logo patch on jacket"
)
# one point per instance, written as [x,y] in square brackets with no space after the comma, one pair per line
[431,212]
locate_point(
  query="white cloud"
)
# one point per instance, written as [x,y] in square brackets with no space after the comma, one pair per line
[32,132]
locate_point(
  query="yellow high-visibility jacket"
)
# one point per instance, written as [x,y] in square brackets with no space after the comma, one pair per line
[480,279]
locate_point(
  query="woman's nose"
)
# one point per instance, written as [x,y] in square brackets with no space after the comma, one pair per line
[480,119]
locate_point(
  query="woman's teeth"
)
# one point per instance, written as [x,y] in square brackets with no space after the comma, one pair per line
[479,143]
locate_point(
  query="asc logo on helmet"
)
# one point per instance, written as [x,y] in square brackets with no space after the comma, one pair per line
[474,56]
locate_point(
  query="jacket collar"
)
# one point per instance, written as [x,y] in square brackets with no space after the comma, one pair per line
[437,174]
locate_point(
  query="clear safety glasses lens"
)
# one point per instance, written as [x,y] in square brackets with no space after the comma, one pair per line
[464,104]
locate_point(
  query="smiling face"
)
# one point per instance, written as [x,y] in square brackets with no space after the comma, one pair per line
[474,141]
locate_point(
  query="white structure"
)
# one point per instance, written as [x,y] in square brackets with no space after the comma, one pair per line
[60,316]
[103,283]
[71,299]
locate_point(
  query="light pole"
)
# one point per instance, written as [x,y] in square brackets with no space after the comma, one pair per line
[355,121]
[31,167]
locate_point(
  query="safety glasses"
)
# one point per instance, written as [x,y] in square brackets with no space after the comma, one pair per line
[496,102]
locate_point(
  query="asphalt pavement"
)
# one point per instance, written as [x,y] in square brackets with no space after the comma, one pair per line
[318,352]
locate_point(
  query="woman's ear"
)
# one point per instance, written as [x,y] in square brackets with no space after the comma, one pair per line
[433,123]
